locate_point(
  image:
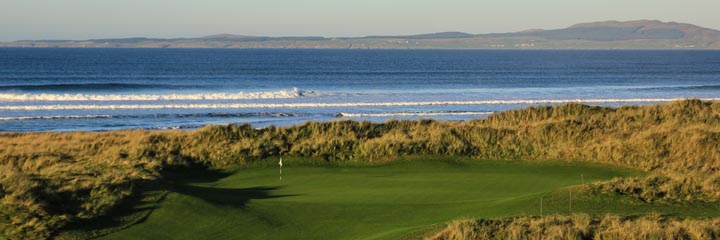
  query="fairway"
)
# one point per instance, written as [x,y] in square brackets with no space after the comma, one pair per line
[377,202]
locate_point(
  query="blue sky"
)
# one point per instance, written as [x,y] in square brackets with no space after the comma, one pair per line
[83,19]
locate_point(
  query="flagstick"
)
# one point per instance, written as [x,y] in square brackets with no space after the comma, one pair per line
[571,200]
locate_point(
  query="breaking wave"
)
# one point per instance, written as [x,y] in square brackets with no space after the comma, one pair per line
[331,105]
[54,117]
[690,87]
[49,97]
[190,115]
[92,86]
[400,114]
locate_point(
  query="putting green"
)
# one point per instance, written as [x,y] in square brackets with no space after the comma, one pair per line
[379,202]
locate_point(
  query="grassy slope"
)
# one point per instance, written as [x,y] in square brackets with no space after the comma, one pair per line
[53,181]
[383,202]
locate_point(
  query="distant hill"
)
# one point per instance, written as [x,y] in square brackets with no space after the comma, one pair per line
[430,36]
[619,31]
[641,34]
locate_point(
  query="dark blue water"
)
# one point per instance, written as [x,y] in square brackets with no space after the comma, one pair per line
[106,89]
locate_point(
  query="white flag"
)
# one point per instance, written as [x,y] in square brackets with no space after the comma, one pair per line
[280,162]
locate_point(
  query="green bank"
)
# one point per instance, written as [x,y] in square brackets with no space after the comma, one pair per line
[88,184]
[375,202]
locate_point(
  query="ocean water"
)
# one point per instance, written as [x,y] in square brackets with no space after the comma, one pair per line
[108,89]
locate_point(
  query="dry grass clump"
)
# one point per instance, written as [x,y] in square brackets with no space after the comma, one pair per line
[680,140]
[581,226]
[655,188]
[50,179]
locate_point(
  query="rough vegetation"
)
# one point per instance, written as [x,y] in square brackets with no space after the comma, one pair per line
[655,188]
[51,179]
[582,226]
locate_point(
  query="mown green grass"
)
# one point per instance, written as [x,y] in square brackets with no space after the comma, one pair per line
[372,202]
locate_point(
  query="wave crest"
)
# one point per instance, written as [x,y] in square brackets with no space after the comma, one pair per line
[54,117]
[332,105]
[91,86]
[179,115]
[48,97]
[402,114]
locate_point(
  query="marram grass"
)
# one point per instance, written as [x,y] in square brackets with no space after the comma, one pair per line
[52,180]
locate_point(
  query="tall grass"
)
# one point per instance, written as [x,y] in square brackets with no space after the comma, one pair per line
[51,179]
[582,226]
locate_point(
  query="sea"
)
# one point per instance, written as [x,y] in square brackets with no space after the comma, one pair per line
[58,89]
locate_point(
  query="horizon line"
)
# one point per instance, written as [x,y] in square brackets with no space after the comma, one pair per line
[237,36]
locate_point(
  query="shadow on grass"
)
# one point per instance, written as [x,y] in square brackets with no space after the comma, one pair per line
[149,195]
[183,176]
[235,197]
[134,209]
[182,180]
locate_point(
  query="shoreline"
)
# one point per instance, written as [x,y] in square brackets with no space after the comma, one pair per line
[376,118]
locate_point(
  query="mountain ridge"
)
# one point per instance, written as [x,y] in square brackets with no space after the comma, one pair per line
[636,34]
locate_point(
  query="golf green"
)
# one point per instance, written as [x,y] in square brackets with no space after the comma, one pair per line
[372,202]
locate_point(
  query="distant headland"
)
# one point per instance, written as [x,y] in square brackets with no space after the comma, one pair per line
[640,34]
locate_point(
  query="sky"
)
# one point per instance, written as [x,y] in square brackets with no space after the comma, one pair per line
[89,19]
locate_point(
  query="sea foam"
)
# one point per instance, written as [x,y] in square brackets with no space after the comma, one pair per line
[401,114]
[54,117]
[330,105]
[49,97]
[172,115]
